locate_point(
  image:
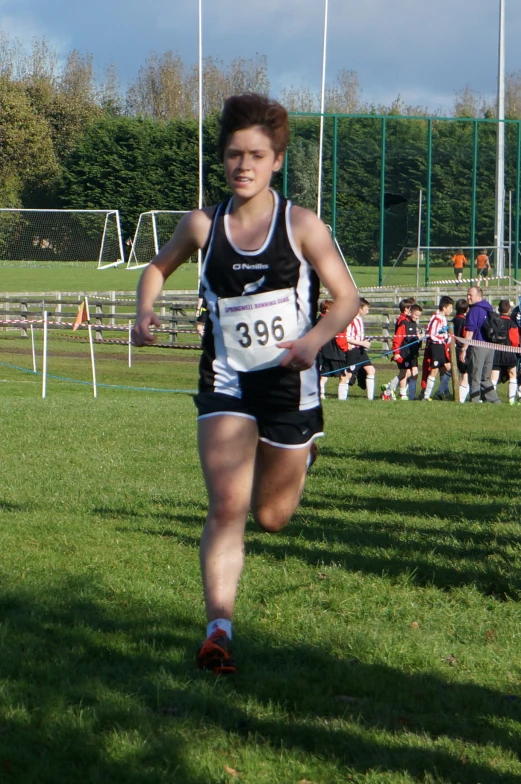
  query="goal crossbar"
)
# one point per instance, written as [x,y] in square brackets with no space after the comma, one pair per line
[154,229]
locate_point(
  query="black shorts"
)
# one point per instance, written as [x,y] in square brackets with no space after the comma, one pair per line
[407,364]
[458,271]
[438,353]
[462,367]
[331,367]
[287,429]
[504,360]
[483,273]
[353,358]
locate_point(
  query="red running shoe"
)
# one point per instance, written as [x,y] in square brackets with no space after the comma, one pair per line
[215,654]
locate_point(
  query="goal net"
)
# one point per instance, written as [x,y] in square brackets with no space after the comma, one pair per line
[414,266]
[42,236]
[153,230]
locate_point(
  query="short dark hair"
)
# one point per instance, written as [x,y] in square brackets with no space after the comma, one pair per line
[416,307]
[364,301]
[251,109]
[503,307]
[462,306]
[405,303]
[444,301]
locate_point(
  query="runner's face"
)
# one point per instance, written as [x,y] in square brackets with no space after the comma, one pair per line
[249,162]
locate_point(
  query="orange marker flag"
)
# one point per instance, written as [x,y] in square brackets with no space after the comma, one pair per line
[83,315]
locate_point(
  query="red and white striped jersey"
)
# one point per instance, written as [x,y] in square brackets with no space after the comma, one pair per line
[437,329]
[353,330]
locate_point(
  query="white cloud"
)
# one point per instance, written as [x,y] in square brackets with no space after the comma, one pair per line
[424,51]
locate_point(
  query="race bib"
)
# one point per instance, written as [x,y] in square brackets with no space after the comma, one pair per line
[252,326]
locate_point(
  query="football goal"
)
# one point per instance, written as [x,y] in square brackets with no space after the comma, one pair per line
[153,230]
[40,236]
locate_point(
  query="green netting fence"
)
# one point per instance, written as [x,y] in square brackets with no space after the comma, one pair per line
[402,193]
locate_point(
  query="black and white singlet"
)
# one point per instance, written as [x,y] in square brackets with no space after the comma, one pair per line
[255,300]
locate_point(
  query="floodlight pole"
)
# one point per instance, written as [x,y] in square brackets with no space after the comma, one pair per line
[499,234]
[200,107]
[322,105]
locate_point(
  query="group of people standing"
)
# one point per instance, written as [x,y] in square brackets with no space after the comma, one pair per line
[481,367]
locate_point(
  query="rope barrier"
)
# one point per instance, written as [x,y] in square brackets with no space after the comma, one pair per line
[107,386]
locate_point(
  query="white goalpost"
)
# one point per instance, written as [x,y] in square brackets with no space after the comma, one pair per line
[43,236]
[153,230]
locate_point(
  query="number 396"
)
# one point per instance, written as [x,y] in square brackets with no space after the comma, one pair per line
[262,332]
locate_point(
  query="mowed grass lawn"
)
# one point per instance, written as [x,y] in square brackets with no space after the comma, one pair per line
[378,637]
[84,277]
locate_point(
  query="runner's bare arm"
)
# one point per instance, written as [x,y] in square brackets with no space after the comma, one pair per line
[315,244]
[190,235]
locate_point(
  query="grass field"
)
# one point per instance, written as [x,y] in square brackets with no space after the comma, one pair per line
[54,276]
[378,637]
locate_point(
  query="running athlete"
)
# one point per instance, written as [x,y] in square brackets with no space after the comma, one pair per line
[458,261]
[483,267]
[258,402]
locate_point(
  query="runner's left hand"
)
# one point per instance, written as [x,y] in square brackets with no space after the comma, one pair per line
[301,354]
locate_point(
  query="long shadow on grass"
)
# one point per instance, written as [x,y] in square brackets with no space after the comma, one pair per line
[100,693]
[426,555]
[489,473]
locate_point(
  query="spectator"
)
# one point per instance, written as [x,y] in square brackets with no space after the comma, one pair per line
[354,343]
[438,349]
[406,347]
[459,324]
[479,359]
[505,363]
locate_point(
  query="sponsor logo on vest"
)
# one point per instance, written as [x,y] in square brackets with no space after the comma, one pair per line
[244,266]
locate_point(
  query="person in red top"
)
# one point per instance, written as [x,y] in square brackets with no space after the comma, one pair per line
[354,343]
[458,262]
[482,266]
[504,366]
[438,347]
[405,315]
[406,347]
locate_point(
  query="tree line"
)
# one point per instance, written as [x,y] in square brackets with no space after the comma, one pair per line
[70,138]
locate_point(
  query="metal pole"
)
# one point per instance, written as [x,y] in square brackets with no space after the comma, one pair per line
[499,235]
[418,246]
[382,206]
[474,194]
[429,200]
[322,103]
[509,234]
[335,175]
[200,109]
[518,193]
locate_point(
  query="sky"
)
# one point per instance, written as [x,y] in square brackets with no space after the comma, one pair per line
[423,50]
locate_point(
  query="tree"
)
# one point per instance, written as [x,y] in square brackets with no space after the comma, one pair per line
[26,151]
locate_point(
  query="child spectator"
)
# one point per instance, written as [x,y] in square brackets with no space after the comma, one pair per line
[405,315]
[458,322]
[458,262]
[505,363]
[356,361]
[438,348]
[406,347]
[331,358]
